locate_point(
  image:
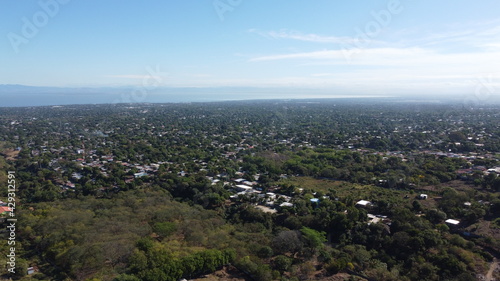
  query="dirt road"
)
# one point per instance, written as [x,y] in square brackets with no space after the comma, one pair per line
[493,266]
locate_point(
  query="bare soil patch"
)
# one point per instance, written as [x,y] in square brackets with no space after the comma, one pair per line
[10,154]
[228,273]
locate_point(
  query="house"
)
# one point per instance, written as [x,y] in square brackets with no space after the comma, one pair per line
[363,204]
[373,219]
[452,222]
[315,202]
[422,196]
[141,174]
[494,170]
[271,195]
[32,270]
[243,188]
[4,210]
[479,168]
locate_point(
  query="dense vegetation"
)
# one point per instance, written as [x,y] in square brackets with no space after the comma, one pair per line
[148,192]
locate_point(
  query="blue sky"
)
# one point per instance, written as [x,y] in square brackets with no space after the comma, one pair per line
[390,47]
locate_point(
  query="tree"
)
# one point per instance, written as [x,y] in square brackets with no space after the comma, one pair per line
[287,241]
[164,229]
[312,238]
[126,277]
[417,207]
[282,263]
[265,252]
[21,268]
[435,216]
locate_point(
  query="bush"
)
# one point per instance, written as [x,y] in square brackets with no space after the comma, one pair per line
[126,277]
[337,265]
[282,263]
[265,252]
[164,229]
[496,223]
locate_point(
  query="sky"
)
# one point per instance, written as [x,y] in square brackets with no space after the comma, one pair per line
[376,47]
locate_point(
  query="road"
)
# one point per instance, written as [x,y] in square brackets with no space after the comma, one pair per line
[493,266]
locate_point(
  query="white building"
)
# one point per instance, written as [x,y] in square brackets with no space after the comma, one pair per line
[243,188]
[363,203]
[452,222]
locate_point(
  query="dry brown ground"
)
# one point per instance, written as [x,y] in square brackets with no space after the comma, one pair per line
[10,154]
[485,228]
[455,184]
[232,274]
[226,274]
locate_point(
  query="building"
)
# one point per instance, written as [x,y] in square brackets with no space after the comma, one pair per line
[315,202]
[271,195]
[141,174]
[452,222]
[364,204]
[422,196]
[373,219]
[243,188]
[31,270]
[4,210]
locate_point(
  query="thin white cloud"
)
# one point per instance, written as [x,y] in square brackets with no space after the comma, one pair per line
[328,54]
[309,37]
[202,75]
[343,56]
[454,62]
[127,76]
[139,78]
[492,45]
[462,35]
[322,74]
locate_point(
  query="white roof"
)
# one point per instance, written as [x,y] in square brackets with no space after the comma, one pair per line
[450,221]
[363,202]
[373,219]
[241,186]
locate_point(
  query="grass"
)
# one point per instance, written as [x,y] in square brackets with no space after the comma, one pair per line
[345,189]
[322,185]
[3,173]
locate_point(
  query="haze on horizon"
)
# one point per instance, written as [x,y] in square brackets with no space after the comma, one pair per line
[240,49]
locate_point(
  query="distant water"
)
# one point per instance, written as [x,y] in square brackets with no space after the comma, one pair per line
[46,99]
[18,100]
[21,95]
